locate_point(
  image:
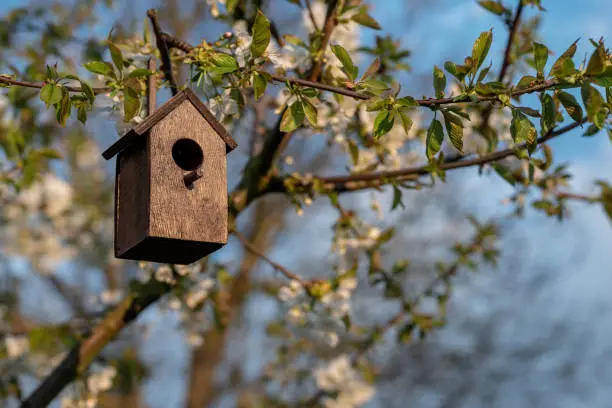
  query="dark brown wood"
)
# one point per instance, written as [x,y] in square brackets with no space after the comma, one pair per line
[161,113]
[158,217]
[164,54]
[132,194]
[190,177]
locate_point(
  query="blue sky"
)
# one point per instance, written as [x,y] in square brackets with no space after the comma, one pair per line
[580,286]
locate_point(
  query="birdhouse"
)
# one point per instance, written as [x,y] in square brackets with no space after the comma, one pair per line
[171,184]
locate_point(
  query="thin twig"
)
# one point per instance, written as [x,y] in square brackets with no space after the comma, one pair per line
[27,84]
[578,197]
[343,183]
[312,17]
[286,272]
[427,102]
[166,66]
[328,28]
[507,52]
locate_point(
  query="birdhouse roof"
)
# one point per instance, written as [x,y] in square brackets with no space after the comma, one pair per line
[161,113]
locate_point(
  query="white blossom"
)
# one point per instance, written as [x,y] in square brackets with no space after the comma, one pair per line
[242,52]
[199,292]
[164,274]
[110,297]
[102,380]
[16,346]
[223,105]
[339,376]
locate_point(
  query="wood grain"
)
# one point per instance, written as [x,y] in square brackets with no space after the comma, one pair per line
[199,214]
[158,218]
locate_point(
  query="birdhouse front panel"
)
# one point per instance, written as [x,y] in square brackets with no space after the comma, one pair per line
[182,143]
[171,184]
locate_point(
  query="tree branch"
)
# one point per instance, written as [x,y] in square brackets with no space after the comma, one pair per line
[286,272]
[426,102]
[328,28]
[81,355]
[26,84]
[166,66]
[375,179]
[311,15]
[513,29]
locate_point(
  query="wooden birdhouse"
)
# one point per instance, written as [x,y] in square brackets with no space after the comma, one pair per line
[171,184]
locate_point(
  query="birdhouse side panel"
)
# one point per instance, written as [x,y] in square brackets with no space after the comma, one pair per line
[198,214]
[131,197]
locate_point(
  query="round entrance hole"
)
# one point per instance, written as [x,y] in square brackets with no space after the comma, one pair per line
[187,154]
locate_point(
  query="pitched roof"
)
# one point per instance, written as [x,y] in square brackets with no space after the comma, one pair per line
[161,113]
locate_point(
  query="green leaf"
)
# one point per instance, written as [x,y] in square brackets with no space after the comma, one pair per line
[549,114]
[526,81]
[592,130]
[564,65]
[88,92]
[231,6]
[345,60]
[540,56]
[63,107]
[372,69]
[404,119]
[454,128]
[600,118]
[116,56]
[435,136]
[49,153]
[51,94]
[52,74]
[407,101]
[504,173]
[383,123]
[140,73]
[131,103]
[293,117]
[397,198]
[261,35]
[375,85]
[310,111]
[82,114]
[481,49]
[521,128]
[458,71]
[571,105]
[294,40]
[224,63]
[493,6]
[490,88]
[309,92]
[597,62]
[366,20]
[375,104]
[439,81]
[592,100]
[483,73]
[100,67]
[529,111]
[260,82]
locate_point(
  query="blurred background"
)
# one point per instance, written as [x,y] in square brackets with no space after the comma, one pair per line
[533,332]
